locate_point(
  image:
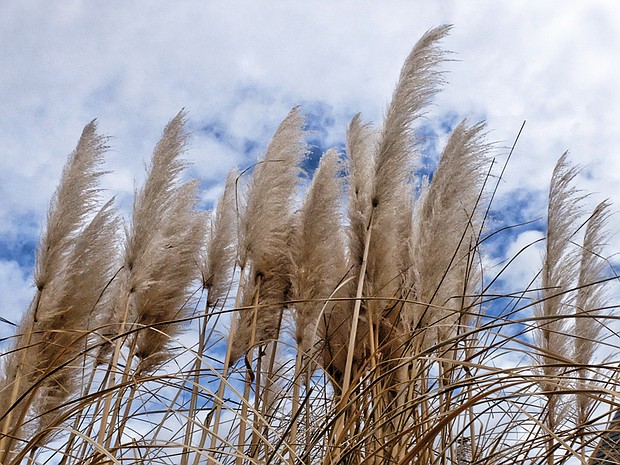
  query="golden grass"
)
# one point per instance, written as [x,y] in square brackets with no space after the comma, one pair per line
[364,327]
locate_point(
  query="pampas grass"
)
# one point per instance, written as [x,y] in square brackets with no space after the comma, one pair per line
[448,219]
[264,231]
[41,370]
[366,324]
[318,262]
[221,244]
[558,275]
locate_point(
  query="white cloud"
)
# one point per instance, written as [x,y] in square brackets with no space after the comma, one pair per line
[15,294]
[525,254]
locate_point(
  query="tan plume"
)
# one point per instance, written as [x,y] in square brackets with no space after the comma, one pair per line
[394,163]
[590,301]
[446,229]
[559,274]
[318,259]
[266,226]
[68,254]
[162,251]
[221,247]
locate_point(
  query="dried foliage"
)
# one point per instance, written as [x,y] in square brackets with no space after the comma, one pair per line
[366,324]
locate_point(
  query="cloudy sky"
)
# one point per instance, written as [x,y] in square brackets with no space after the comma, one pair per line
[238,67]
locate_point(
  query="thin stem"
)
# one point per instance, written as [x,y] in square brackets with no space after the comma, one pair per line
[103,428]
[356,309]
[295,407]
[223,381]
[248,376]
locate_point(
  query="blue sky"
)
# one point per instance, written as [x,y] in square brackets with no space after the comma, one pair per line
[239,68]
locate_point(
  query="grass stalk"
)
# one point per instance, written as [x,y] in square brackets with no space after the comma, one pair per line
[195,375]
[225,371]
[356,309]
[105,427]
[243,417]
[340,421]
[260,402]
[295,407]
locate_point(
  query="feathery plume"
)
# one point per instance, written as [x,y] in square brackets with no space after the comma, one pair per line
[419,81]
[221,244]
[77,299]
[336,323]
[396,154]
[361,164]
[56,318]
[161,251]
[560,266]
[393,163]
[73,201]
[589,301]
[559,273]
[318,260]
[165,296]
[445,233]
[266,226]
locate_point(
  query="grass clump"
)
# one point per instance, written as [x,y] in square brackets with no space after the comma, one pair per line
[364,324]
